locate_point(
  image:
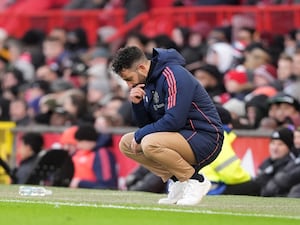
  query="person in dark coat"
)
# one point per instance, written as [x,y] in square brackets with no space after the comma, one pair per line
[179,131]
[280,147]
[31,144]
[287,181]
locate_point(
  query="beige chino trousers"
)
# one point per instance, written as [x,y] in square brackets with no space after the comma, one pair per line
[164,154]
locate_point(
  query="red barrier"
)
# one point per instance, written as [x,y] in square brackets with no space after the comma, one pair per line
[90,20]
[124,164]
[251,150]
[269,19]
[266,19]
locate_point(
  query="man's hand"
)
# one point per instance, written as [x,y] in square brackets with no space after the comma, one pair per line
[137,93]
[135,147]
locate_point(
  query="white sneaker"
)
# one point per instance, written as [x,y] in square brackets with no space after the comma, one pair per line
[194,192]
[175,192]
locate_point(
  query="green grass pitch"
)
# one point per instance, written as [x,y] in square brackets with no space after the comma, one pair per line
[82,206]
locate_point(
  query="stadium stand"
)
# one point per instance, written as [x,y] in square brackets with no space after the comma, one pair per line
[161,19]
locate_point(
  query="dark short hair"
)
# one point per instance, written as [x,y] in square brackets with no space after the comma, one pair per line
[34,140]
[126,57]
[86,132]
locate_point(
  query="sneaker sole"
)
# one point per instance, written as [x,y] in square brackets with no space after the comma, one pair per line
[186,202]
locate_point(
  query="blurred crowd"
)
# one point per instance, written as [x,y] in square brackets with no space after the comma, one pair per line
[58,79]
[134,6]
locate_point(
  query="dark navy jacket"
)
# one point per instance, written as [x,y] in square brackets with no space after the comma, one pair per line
[176,102]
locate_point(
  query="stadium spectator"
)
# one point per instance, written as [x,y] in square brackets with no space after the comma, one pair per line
[32,41]
[11,81]
[55,53]
[284,70]
[211,79]
[159,41]
[47,104]
[265,75]
[256,108]
[268,124]
[219,34]
[181,35]
[255,55]
[243,36]
[199,33]
[284,109]
[76,43]
[292,88]
[281,144]
[59,33]
[237,86]
[75,105]
[108,114]
[59,87]
[246,35]
[221,55]
[95,165]
[18,109]
[293,169]
[98,93]
[33,94]
[290,43]
[60,117]
[136,39]
[287,181]
[30,146]
[20,59]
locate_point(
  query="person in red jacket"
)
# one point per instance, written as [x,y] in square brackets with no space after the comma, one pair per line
[95,164]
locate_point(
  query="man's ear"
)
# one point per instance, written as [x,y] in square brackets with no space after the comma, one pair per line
[142,68]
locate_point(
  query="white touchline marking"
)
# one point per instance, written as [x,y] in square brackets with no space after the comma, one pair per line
[57,204]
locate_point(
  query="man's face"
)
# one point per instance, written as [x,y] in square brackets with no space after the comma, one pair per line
[288,110]
[134,77]
[278,149]
[244,36]
[205,79]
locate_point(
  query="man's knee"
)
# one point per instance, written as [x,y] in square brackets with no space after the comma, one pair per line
[149,145]
[125,142]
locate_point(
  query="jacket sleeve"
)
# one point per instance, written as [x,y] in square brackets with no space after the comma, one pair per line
[283,180]
[179,90]
[104,168]
[140,115]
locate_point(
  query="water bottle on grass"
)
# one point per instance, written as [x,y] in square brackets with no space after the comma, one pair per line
[34,191]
